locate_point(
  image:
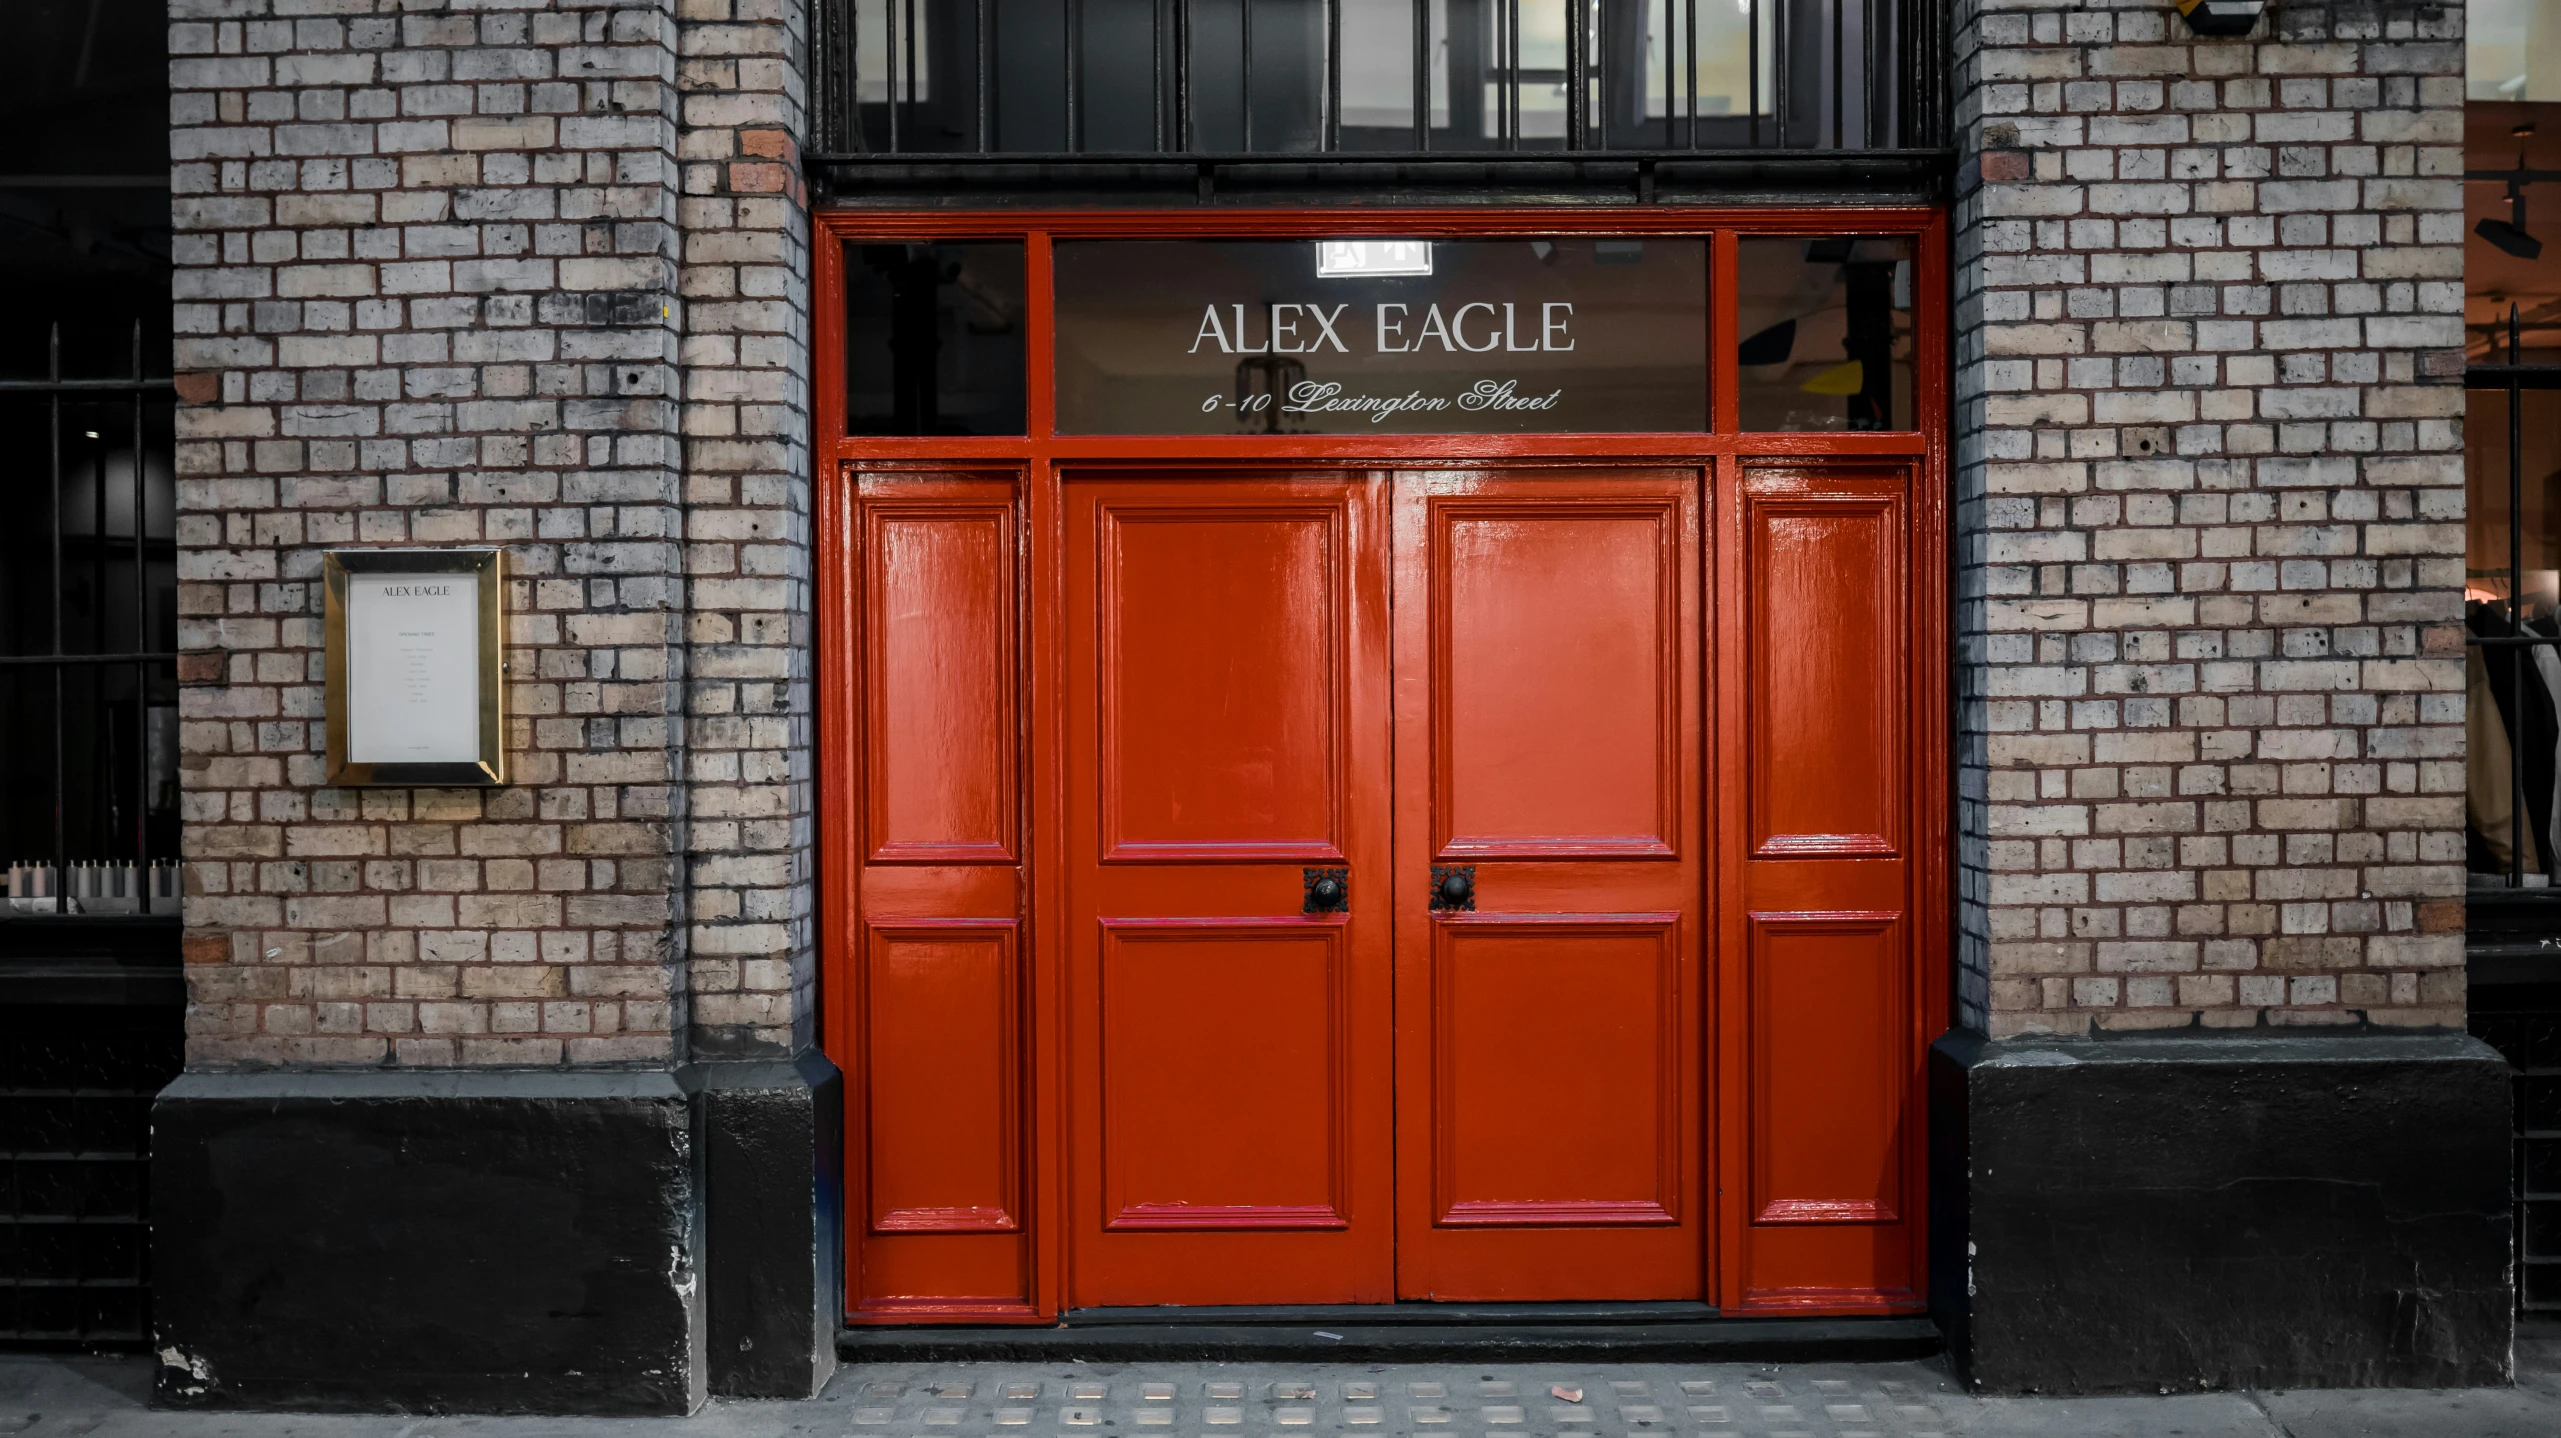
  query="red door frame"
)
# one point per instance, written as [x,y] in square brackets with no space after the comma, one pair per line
[1034,460]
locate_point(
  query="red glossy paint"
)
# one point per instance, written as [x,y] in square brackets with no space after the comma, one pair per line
[928,976]
[1827,959]
[1089,706]
[1228,1055]
[1549,1108]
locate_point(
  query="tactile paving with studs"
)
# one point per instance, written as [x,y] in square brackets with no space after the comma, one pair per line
[1487,1401]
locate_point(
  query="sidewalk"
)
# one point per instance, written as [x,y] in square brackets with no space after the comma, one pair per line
[42,1396]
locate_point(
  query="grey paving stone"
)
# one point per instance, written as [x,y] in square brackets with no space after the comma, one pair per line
[105,1398]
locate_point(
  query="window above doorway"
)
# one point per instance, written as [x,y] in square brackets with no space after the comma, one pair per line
[1286,94]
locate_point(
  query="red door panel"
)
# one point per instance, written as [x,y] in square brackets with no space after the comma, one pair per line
[937,1003]
[1526,1141]
[1825,742]
[1826,1116]
[939,677]
[940,1023]
[1266,1067]
[1556,720]
[1225,684]
[1827,1213]
[1221,689]
[1547,674]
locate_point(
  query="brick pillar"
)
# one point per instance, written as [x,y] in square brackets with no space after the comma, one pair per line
[2210,568]
[2210,403]
[529,273]
[431,258]
[745,280]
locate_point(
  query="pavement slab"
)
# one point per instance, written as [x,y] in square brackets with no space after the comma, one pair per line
[98,1397]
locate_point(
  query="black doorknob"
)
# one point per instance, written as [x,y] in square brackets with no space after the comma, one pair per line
[1329,891]
[1453,887]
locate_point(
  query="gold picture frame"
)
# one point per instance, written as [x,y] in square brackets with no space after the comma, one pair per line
[407,666]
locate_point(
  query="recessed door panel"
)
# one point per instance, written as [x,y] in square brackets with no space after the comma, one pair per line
[1827,1081]
[942,1036]
[1223,680]
[1224,1083]
[1557,693]
[1824,562]
[1557,1092]
[1548,1007]
[939,677]
[1229,1036]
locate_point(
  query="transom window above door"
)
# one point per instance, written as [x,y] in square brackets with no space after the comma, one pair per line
[1641,330]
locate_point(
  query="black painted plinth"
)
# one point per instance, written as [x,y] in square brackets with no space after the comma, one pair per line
[2184,1213]
[773,1243]
[436,1242]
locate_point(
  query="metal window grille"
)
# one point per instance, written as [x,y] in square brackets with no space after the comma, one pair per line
[90,998]
[1003,93]
[2514,378]
[76,1084]
[2513,938]
[88,667]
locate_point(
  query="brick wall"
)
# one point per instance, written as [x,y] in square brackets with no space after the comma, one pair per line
[530,274]
[2210,493]
[745,281]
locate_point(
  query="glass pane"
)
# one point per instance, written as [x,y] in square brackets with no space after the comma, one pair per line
[2510,50]
[1728,66]
[934,338]
[1378,72]
[1826,332]
[1382,336]
[2508,742]
[93,562]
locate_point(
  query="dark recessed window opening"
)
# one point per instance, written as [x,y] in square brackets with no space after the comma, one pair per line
[934,338]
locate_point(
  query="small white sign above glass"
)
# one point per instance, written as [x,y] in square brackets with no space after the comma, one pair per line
[1353,259]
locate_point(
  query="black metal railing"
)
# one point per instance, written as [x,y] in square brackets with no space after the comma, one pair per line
[2516,1009]
[2512,940]
[91,1000]
[2514,378]
[78,1070]
[1089,84]
[88,662]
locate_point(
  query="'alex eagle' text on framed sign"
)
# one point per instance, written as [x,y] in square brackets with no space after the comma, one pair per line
[416,685]
[1566,334]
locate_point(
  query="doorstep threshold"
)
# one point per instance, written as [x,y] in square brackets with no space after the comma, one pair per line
[1365,1338]
[1371,1314]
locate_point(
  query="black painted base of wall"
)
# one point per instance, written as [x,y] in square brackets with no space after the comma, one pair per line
[2244,1211]
[773,1153]
[510,1242]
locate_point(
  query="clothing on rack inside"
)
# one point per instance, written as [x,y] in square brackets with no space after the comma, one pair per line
[2547,668]
[2521,685]
[2489,780]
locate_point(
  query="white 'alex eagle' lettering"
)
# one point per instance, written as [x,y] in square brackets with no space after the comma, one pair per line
[1287,329]
[1454,337]
[1281,323]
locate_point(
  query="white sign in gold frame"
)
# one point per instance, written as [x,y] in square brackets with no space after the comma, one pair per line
[417,690]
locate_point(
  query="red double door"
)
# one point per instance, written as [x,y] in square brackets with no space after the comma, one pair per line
[1492,681]
[1619,972]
